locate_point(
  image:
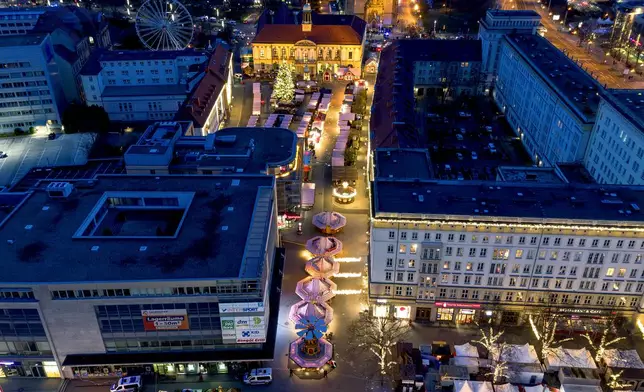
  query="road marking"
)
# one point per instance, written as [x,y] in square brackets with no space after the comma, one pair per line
[24,156]
[60,149]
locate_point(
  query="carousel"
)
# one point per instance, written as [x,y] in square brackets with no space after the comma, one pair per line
[344,194]
[324,246]
[311,352]
[309,309]
[315,289]
[329,222]
[322,267]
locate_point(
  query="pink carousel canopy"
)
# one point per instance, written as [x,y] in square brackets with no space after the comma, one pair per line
[315,289]
[329,222]
[322,267]
[324,246]
[308,309]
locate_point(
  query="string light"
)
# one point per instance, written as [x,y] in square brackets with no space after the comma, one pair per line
[348,275]
[347,292]
[348,259]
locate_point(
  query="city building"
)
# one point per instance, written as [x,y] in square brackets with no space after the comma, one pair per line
[319,47]
[460,252]
[208,106]
[184,276]
[141,85]
[31,88]
[414,70]
[19,20]
[548,100]
[616,148]
[493,27]
[173,148]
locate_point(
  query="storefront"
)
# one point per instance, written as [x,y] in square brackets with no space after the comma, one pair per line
[458,313]
[169,370]
[41,369]
[423,315]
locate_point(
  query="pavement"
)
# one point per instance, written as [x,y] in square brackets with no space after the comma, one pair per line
[592,59]
[18,384]
[26,152]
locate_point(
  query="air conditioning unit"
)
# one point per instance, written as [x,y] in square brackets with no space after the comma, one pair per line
[59,189]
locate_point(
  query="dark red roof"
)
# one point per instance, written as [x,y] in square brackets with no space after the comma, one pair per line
[319,34]
[204,96]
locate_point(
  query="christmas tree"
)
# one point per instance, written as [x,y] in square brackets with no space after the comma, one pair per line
[284,87]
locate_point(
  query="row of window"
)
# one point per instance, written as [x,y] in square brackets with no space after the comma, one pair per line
[21,125]
[20,75]
[13,104]
[167,345]
[30,93]
[29,112]
[24,84]
[24,348]
[244,287]
[500,239]
[11,294]
[22,64]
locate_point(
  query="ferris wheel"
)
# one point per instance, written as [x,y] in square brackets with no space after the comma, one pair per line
[164,25]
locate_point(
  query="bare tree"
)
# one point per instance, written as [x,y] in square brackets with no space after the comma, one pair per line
[544,329]
[615,383]
[500,367]
[378,335]
[604,342]
[489,339]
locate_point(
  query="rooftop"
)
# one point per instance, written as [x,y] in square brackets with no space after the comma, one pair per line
[129,55]
[146,90]
[630,103]
[283,15]
[8,41]
[440,50]
[204,97]
[546,175]
[513,13]
[319,34]
[523,202]
[206,237]
[574,85]
[403,163]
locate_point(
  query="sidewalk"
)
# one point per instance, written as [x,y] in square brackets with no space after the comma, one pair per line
[19,384]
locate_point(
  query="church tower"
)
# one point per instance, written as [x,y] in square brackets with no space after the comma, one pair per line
[307,23]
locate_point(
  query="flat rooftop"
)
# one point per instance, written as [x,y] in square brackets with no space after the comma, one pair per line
[534,202]
[513,13]
[125,55]
[9,41]
[250,149]
[547,175]
[630,103]
[403,163]
[574,85]
[223,222]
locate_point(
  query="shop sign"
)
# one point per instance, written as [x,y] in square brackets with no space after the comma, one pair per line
[163,320]
[251,336]
[228,327]
[241,307]
[582,311]
[402,312]
[251,340]
[457,305]
[249,322]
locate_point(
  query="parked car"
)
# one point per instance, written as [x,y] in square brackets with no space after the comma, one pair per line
[259,376]
[474,155]
[488,129]
[127,384]
[2,155]
[459,136]
[464,114]
[51,136]
[459,156]
[460,177]
[491,147]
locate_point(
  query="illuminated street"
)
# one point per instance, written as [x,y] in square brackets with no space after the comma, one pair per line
[594,61]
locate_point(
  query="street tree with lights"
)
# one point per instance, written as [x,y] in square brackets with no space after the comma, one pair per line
[497,350]
[544,328]
[284,88]
[599,347]
[377,335]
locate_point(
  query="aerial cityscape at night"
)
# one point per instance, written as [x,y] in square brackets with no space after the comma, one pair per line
[324,195]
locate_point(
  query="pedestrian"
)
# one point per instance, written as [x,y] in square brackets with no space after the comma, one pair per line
[325,373]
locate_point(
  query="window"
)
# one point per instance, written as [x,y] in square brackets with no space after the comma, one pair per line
[554,255]
[459,252]
[621,272]
[455,279]
[457,266]
[409,291]
[595,243]
[412,263]
[533,241]
[399,277]
[571,241]
[450,237]
[402,248]
[410,277]
[448,251]
[428,236]
[545,241]
[518,254]
[472,252]
[387,290]
[521,240]
[582,242]
[398,291]
[390,262]
[392,235]
[480,267]
[483,252]
[414,236]
[557,241]
[390,249]
[388,276]
[401,263]
[606,243]
[461,238]
[413,248]
[610,271]
[403,235]
[468,266]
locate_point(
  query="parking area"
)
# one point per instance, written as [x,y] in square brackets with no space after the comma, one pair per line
[24,153]
[468,142]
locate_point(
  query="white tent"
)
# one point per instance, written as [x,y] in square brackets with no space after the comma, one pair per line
[508,388]
[466,350]
[471,363]
[604,22]
[565,357]
[472,386]
[626,359]
[347,117]
[536,388]
[517,353]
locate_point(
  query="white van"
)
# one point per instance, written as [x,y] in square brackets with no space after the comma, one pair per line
[127,384]
[259,376]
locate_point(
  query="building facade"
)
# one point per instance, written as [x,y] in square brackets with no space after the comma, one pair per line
[142,86]
[493,27]
[31,87]
[549,102]
[314,50]
[459,253]
[616,148]
[19,20]
[161,296]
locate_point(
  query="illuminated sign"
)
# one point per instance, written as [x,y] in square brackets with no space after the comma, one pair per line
[242,307]
[163,320]
[457,305]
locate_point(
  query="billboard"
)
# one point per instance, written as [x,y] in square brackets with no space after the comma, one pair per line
[244,329]
[242,307]
[164,320]
[228,328]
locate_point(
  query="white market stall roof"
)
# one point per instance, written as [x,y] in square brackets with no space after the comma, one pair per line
[508,388]
[565,357]
[536,388]
[347,117]
[627,359]
[466,350]
[472,386]
[519,353]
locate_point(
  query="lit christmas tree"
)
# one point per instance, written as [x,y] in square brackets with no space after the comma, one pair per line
[284,86]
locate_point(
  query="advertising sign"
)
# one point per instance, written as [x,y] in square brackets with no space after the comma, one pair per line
[228,328]
[164,320]
[242,307]
[256,322]
[251,336]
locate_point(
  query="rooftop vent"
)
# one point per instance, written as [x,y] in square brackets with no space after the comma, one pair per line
[59,189]
[29,227]
[95,248]
[143,248]
[45,208]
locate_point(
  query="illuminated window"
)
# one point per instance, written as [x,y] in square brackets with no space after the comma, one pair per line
[413,248]
[402,249]
[610,271]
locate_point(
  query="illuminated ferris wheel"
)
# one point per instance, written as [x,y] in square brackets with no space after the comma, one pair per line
[164,25]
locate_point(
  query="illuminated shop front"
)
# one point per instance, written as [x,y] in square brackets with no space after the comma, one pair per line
[40,369]
[458,313]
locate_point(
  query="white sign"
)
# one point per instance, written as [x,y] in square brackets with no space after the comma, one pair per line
[249,322]
[251,336]
[242,307]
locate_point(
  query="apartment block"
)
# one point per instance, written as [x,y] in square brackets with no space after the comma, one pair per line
[19,20]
